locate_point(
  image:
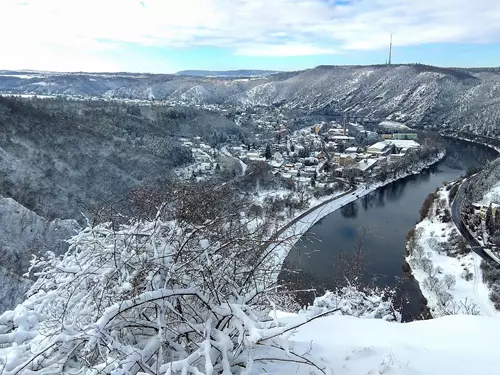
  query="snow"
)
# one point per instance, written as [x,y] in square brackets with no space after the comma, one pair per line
[22,76]
[470,292]
[492,196]
[403,143]
[450,345]
[364,165]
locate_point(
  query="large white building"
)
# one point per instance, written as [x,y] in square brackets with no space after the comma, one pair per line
[403,145]
[386,147]
[380,148]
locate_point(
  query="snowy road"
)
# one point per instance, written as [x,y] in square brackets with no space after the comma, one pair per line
[457,219]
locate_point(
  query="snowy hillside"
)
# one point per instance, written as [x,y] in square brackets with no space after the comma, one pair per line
[417,95]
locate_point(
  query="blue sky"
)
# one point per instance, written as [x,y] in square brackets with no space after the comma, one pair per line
[170,35]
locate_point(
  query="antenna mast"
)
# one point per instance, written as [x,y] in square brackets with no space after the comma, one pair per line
[390,51]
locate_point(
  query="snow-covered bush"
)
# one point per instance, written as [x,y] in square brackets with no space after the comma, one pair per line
[190,291]
[350,300]
[160,296]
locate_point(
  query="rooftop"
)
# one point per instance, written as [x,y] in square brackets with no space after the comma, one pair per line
[380,145]
[364,165]
[403,143]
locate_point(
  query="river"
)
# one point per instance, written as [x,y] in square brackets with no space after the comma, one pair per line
[318,258]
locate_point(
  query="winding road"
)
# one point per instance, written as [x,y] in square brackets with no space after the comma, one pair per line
[457,219]
[473,244]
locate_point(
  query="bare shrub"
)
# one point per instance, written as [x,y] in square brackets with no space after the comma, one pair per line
[449,281]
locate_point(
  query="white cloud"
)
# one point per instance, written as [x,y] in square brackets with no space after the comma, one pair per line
[287,49]
[82,33]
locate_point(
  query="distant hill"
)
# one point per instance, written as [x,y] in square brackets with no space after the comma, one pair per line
[226,73]
[419,96]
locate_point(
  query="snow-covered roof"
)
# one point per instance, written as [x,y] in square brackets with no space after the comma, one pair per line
[364,165]
[403,143]
[342,137]
[382,145]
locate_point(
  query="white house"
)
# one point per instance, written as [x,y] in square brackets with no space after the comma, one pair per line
[403,145]
[380,148]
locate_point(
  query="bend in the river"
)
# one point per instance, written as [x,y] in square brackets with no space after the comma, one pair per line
[390,212]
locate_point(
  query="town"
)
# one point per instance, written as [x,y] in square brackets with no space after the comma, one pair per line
[321,153]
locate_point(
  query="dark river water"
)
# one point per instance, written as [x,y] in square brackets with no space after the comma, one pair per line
[317,260]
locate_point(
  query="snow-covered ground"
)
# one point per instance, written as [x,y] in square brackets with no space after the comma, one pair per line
[492,196]
[346,345]
[468,292]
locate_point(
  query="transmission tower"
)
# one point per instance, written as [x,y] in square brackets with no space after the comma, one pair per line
[390,51]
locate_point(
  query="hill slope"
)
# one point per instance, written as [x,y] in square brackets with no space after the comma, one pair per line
[422,96]
[60,158]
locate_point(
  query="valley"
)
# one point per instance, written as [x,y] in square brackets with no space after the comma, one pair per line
[305,183]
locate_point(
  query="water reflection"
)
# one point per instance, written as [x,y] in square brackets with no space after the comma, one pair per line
[350,211]
[319,260]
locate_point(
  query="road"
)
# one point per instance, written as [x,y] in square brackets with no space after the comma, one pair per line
[457,219]
[351,191]
[473,244]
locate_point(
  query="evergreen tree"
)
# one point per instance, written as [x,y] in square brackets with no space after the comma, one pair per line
[326,168]
[248,147]
[315,175]
[313,182]
[268,154]
[490,224]
[292,148]
[497,222]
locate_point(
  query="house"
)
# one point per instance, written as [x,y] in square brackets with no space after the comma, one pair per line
[205,147]
[344,159]
[308,172]
[331,146]
[361,168]
[351,150]
[402,146]
[277,156]
[311,161]
[380,148]
[206,166]
[346,140]
[298,165]
[337,131]
[276,163]
[396,157]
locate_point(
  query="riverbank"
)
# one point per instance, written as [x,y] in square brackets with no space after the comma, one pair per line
[448,273]
[297,227]
[461,138]
[479,239]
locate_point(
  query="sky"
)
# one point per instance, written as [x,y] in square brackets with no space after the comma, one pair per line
[165,36]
